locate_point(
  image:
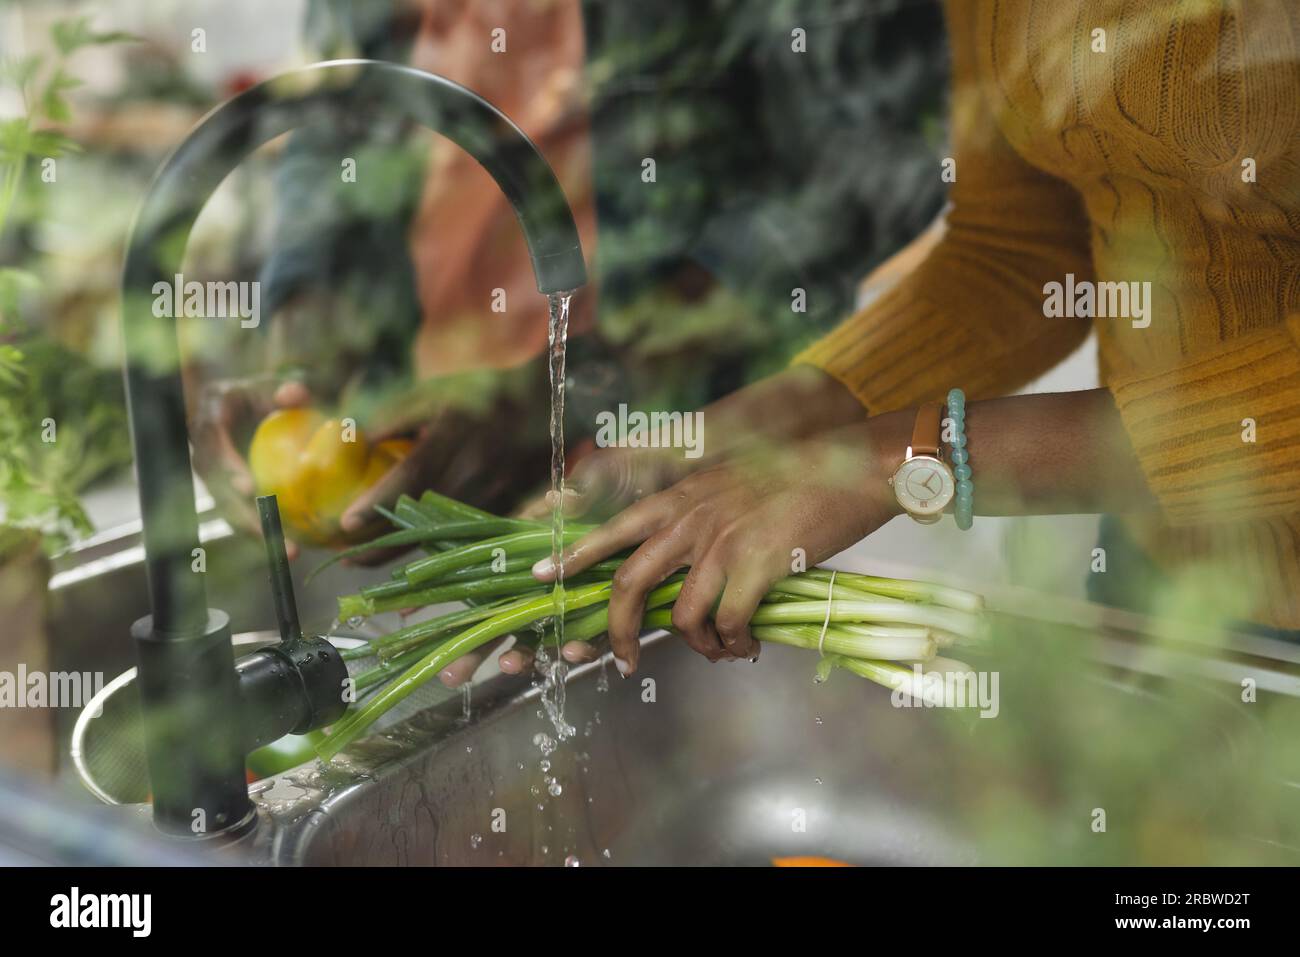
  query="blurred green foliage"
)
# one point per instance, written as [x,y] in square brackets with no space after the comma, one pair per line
[777,168]
[60,427]
[1188,768]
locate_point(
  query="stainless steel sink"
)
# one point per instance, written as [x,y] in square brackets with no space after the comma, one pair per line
[728,764]
[731,763]
[691,763]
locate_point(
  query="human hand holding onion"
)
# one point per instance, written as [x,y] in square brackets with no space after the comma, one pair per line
[608,480]
[736,527]
[602,483]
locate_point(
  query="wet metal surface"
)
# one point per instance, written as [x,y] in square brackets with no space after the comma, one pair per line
[685,763]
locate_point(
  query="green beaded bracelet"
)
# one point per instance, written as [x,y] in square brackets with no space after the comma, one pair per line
[963,501]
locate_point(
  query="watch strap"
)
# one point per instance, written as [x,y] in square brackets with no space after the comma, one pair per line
[925,433]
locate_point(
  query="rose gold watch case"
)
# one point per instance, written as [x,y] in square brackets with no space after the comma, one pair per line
[923,485]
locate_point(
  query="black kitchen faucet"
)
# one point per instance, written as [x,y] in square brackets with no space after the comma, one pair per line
[202,714]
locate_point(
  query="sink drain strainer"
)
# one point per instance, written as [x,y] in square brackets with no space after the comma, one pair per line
[107,741]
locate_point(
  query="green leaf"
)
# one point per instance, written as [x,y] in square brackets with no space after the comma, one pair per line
[74,33]
[115,36]
[55,107]
[15,140]
[52,143]
[12,283]
[20,70]
[62,80]
[11,366]
[71,34]
[53,102]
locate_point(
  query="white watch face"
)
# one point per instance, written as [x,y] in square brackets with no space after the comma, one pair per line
[924,485]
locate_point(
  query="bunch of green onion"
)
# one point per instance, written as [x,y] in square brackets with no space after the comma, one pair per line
[874,627]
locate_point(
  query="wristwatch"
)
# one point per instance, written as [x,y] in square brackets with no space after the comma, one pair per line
[924,484]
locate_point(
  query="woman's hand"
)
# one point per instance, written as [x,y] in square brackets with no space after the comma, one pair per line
[601,483]
[608,480]
[787,407]
[739,527]
[784,408]
[226,415]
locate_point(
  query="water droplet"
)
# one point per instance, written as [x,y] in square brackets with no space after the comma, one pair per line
[817,780]
[605,853]
[546,765]
[572,861]
[555,789]
[475,840]
[356,621]
[819,720]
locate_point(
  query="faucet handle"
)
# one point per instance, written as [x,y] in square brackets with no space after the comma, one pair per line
[300,684]
[286,608]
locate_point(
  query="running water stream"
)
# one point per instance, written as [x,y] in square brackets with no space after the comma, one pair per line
[553,666]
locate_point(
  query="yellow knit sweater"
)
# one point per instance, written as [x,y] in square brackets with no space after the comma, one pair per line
[1165,149]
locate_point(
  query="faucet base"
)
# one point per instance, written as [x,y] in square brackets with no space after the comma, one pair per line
[192,732]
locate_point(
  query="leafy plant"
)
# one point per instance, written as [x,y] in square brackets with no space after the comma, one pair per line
[41,466]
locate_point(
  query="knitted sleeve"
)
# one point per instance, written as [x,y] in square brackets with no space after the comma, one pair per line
[1217,434]
[971,314]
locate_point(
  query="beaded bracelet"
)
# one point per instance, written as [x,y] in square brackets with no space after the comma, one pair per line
[963,507]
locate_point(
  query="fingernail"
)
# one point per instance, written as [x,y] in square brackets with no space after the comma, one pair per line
[624,669]
[350,523]
[447,675]
[242,484]
[543,568]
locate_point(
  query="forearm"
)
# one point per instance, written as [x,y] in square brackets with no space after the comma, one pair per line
[1060,453]
[791,405]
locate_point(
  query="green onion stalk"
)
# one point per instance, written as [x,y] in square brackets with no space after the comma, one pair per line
[877,628]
